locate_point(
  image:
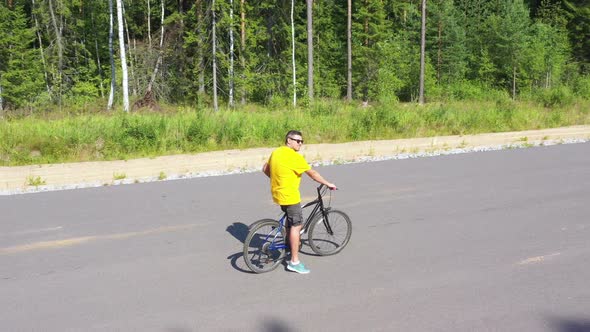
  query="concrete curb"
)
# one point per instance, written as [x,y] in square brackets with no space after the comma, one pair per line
[14,180]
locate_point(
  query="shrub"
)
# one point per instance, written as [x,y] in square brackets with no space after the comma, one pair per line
[582,87]
[555,97]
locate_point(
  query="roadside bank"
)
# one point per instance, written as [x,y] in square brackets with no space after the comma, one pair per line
[39,178]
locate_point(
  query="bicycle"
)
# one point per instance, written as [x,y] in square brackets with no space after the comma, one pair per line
[329,231]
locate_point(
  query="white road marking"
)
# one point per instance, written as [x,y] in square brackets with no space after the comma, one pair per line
[537,259]
[84,239]
[41,230]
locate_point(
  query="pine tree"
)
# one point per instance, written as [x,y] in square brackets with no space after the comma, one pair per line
[368,30]
[507,33]
[21,79]
[579,31]
[447,43]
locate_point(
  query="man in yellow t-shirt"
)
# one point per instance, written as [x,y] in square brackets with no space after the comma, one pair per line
[284,168]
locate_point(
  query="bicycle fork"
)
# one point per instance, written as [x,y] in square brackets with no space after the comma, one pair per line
[326,222]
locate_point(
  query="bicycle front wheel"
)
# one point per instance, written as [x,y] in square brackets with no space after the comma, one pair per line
[264,248]
[329,235]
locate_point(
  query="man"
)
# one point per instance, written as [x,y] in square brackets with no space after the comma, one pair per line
[284,168]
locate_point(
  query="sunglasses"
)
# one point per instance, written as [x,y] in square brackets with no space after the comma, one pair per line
[299,141]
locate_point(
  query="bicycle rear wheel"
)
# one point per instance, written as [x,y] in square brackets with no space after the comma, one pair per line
[264,246]
[328,236]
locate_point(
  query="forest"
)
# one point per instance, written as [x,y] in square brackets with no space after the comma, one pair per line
[83,54]
[85,80]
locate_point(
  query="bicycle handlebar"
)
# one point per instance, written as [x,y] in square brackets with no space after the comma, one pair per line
[322,186]
[322,189]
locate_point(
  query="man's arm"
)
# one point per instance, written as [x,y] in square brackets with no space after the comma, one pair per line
[266,169]
[318,178]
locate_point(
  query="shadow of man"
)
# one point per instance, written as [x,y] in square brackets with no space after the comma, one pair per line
[238,230]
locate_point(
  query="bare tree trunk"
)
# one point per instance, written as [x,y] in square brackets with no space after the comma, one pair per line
[131,54]
[149,24]
[200,60]
[38,31]
[243,49]
[99,67]
[422,53]
[513,82]
[1,101]
[215,106]
[349,52]
[310,49]
[293,54]
[439,56]
[98,58]
[160,55]
[58,40]
[231,54]
[123,57]
[112,58]
[148,99]
[366,70]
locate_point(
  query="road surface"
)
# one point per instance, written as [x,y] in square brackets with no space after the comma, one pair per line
[493,241]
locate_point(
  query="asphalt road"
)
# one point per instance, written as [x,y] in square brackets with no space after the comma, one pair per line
[494,241]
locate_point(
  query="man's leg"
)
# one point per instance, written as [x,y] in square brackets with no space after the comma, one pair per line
[295,220]
[294,239]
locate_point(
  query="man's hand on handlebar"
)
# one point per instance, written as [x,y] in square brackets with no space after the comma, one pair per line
[331,186]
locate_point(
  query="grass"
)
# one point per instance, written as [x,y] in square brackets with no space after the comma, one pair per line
[119,176]
[35,181]
[56,138]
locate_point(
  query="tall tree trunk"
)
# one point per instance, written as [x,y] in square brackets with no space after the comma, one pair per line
[131,54]
[439,55]
[1,100]
[160,56]
[60,52]
[513,82]
[149,24]
[97,57]
[123,57]
[243,49]
[148,99]
[231,53]
[112,57]
[293,53]
[38,32]
[310,49]
[215,106]
[422,53]
[200,61]
[349,51]
[366,73]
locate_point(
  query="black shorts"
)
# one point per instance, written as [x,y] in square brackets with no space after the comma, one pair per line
[294,214]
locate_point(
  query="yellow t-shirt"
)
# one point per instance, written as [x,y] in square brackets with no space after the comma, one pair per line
[286,167]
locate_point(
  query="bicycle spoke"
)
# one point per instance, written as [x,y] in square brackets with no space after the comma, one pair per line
[264,246]
[329,236]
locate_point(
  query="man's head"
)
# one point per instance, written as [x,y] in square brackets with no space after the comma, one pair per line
[294,140]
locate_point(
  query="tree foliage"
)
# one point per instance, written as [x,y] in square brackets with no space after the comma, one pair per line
[56,51]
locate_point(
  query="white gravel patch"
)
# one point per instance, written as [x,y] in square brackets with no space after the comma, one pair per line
[361,159]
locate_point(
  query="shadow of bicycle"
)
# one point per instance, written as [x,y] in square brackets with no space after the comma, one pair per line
[239,231]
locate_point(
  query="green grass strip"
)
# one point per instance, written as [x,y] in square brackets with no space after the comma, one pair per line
[112,136]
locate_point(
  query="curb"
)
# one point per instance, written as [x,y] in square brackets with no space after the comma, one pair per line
[15,180]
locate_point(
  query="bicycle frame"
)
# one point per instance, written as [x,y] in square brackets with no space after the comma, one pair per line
[318,208]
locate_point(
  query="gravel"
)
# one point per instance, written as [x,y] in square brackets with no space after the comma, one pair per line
[363,159]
